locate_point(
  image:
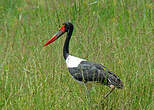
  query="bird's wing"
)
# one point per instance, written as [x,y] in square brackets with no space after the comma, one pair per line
[89,71]
[94,72]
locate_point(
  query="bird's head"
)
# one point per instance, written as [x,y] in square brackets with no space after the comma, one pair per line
[66,27]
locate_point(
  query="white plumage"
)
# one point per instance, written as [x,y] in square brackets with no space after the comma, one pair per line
[72,61]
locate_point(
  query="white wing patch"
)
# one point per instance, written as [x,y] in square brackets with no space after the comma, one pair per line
[72,61]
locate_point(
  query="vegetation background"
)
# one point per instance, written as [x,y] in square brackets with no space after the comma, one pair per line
[116,33]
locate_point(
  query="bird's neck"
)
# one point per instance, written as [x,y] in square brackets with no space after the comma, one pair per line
[66,44]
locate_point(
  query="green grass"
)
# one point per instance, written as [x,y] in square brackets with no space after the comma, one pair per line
[117,34]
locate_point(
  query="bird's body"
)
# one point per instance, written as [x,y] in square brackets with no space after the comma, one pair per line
[83,70]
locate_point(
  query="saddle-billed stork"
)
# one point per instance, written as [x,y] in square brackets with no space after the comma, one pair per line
[83,70]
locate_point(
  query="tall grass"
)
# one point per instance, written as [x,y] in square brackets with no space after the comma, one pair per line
[117,34]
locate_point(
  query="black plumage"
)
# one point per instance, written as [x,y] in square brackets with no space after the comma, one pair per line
[89,71]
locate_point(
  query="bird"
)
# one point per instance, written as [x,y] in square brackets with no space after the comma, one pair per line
[82,70]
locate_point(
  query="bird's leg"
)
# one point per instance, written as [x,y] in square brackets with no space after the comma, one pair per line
[88,87]
[112,88]
[85,86]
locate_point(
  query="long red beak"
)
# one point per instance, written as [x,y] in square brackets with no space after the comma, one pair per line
[56,36]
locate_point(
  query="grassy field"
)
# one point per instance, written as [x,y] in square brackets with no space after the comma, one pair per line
[116,33]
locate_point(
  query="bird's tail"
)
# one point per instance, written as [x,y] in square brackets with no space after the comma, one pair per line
[113,79]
